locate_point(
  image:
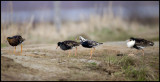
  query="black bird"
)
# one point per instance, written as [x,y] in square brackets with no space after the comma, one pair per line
[88,44]
[15,40]
[139,43]
[68,45]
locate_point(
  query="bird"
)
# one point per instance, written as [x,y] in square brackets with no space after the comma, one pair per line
[68,45]
[15,41]
[89,44]
[139,43]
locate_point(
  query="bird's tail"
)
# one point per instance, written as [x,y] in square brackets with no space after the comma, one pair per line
[24,39]
[100,43]
[151,43]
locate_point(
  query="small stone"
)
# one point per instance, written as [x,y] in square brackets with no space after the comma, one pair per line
[130,54]
[119,54]
[36,53]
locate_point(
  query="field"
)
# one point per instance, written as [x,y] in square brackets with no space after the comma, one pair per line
[41,61]
[111,61]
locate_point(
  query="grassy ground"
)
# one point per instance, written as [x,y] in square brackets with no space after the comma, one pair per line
[41,61]
[45,62]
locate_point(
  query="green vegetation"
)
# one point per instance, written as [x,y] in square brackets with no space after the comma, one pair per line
[134,69]
[106,34]
[94,64]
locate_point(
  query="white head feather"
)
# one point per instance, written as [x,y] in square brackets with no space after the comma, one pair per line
[82,39]
[130,43]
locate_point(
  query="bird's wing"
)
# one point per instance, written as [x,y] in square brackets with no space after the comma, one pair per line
[17,38]
[142,42]
[92,43]
[139,41]
[71,43]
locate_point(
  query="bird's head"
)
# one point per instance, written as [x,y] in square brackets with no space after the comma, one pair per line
[58,44]
[82,39]
[130,42]
[8,38]
[130,39]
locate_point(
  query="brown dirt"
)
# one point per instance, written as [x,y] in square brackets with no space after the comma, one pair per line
[43,62]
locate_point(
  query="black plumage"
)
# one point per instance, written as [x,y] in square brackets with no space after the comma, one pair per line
[67,45]
[88,44]
[15,40]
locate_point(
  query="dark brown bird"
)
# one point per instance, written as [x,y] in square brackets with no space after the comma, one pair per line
[67,45]
[15,40]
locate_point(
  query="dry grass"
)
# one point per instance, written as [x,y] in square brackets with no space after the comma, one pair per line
[105,65]
[54,64]
[102,28]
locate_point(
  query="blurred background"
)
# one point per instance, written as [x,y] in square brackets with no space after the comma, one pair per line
[52,21]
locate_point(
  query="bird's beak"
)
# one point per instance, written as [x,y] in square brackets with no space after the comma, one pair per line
[56,47]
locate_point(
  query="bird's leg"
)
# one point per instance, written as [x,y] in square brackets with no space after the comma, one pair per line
[143,54]
[136,51]
[109,61]
[21,48]
[69,53]
[93,49]
[15,50]
[76,51]
[91,54]
[132,51]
